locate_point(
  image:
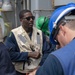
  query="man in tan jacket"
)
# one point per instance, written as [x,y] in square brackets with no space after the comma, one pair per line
[29,47]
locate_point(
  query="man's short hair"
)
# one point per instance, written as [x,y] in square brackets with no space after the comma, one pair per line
[69,20]
[21,14]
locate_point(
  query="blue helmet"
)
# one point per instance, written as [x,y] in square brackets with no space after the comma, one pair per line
[57,15]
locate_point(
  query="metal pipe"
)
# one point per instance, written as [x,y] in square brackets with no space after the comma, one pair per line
[16,13]
[28,7]
[37,11]
[43,10]
[24,4]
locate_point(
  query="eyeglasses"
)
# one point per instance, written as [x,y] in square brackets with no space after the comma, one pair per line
[30,17]
[56,29]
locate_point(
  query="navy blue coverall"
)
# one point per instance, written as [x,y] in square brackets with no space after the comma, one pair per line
[6,67]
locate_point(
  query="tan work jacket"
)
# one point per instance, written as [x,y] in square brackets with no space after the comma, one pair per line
[25,44]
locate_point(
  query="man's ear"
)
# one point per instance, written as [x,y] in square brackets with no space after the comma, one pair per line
[63,29]
[21,20]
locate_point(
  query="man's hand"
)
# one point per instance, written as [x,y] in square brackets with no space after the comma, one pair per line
[33,73]
[35,54]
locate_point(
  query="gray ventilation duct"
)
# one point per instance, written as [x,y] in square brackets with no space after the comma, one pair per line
[7,5]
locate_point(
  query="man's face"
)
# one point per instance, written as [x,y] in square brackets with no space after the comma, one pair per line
[62,36]
[28,20]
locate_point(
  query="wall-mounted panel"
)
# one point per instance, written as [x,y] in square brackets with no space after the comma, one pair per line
[62,2]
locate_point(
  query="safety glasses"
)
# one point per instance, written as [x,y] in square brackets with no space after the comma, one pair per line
[30,17]
[56,30]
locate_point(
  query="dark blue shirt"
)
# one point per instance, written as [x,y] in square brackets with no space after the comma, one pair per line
[51,66]
[6,67]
